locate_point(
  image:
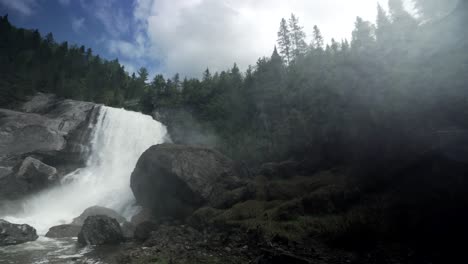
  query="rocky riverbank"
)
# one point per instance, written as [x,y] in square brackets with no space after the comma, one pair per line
[287,213]
[42,140]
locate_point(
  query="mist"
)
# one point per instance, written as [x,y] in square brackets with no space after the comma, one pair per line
[328,149]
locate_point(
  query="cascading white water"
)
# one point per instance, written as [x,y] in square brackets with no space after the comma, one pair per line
[119,138]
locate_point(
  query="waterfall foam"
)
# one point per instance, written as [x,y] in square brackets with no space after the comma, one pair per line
[119,138]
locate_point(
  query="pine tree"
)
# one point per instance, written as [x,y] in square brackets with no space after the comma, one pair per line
[159,84]
[383,29]
[317,42]
[143,74]
[363,35]
[207,75]
[275,56]
[404,24]
[298,44]
[284,41]
[335,46]
[399,14]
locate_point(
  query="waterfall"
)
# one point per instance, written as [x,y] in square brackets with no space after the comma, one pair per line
[119,138]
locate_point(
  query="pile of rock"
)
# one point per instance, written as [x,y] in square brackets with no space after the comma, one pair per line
[13,234]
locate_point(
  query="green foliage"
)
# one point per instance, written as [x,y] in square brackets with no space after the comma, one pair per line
[317,41]
[284,41]
[31,63]
[382,95]
[373,98]
[297,36]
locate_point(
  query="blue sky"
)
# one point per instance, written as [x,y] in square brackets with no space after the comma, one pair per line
[85,22]
[185,36]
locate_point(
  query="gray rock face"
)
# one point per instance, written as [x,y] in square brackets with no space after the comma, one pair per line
[144,215]
[174,180]
[100,230]
[62,231]
[23,133]
[128,229]
[39,103]
[52,132]
[97,210]
[36,174]
[5,171]
[29,176]
[144,229]
[13,234]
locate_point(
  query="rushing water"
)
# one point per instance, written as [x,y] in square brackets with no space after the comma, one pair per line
[119,138]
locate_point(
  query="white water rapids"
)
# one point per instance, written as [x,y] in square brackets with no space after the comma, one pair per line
[119,138]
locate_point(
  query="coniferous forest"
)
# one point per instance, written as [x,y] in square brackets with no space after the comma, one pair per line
[384,108]
[401,79]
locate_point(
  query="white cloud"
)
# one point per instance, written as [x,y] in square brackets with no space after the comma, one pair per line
[190,35]
[126,49]
[113,19]
[129,66]
[64,2]
[24,7]
[78,24]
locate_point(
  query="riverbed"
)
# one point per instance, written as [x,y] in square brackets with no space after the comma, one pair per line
[50,250]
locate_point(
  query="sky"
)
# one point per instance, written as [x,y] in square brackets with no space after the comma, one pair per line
[184,36]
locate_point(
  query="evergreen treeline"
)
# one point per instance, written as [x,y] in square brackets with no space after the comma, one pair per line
[386,94]
[32,63]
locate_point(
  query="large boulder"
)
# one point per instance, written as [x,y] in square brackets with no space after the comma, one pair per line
[173,180]
[100,230]
[49,130]
[98,210]
[13,234]
[61,231]
[29,176]
[36,174]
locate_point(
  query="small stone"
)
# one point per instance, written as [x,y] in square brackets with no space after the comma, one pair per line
[228,249]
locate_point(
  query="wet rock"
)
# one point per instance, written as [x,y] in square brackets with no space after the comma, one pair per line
[279,257]
[98,210]
[282,169]
[30,176]
[144,229]
[128,229]
[61,231]
[174,180]
[39,103]
[5,171]
[145,214]
[27,132]
[100,230]
[52,131]
[36,174]
[13,234]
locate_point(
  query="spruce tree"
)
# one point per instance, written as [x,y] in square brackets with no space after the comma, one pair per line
[383,29]
[284,41]
[317,42]
[298,44]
